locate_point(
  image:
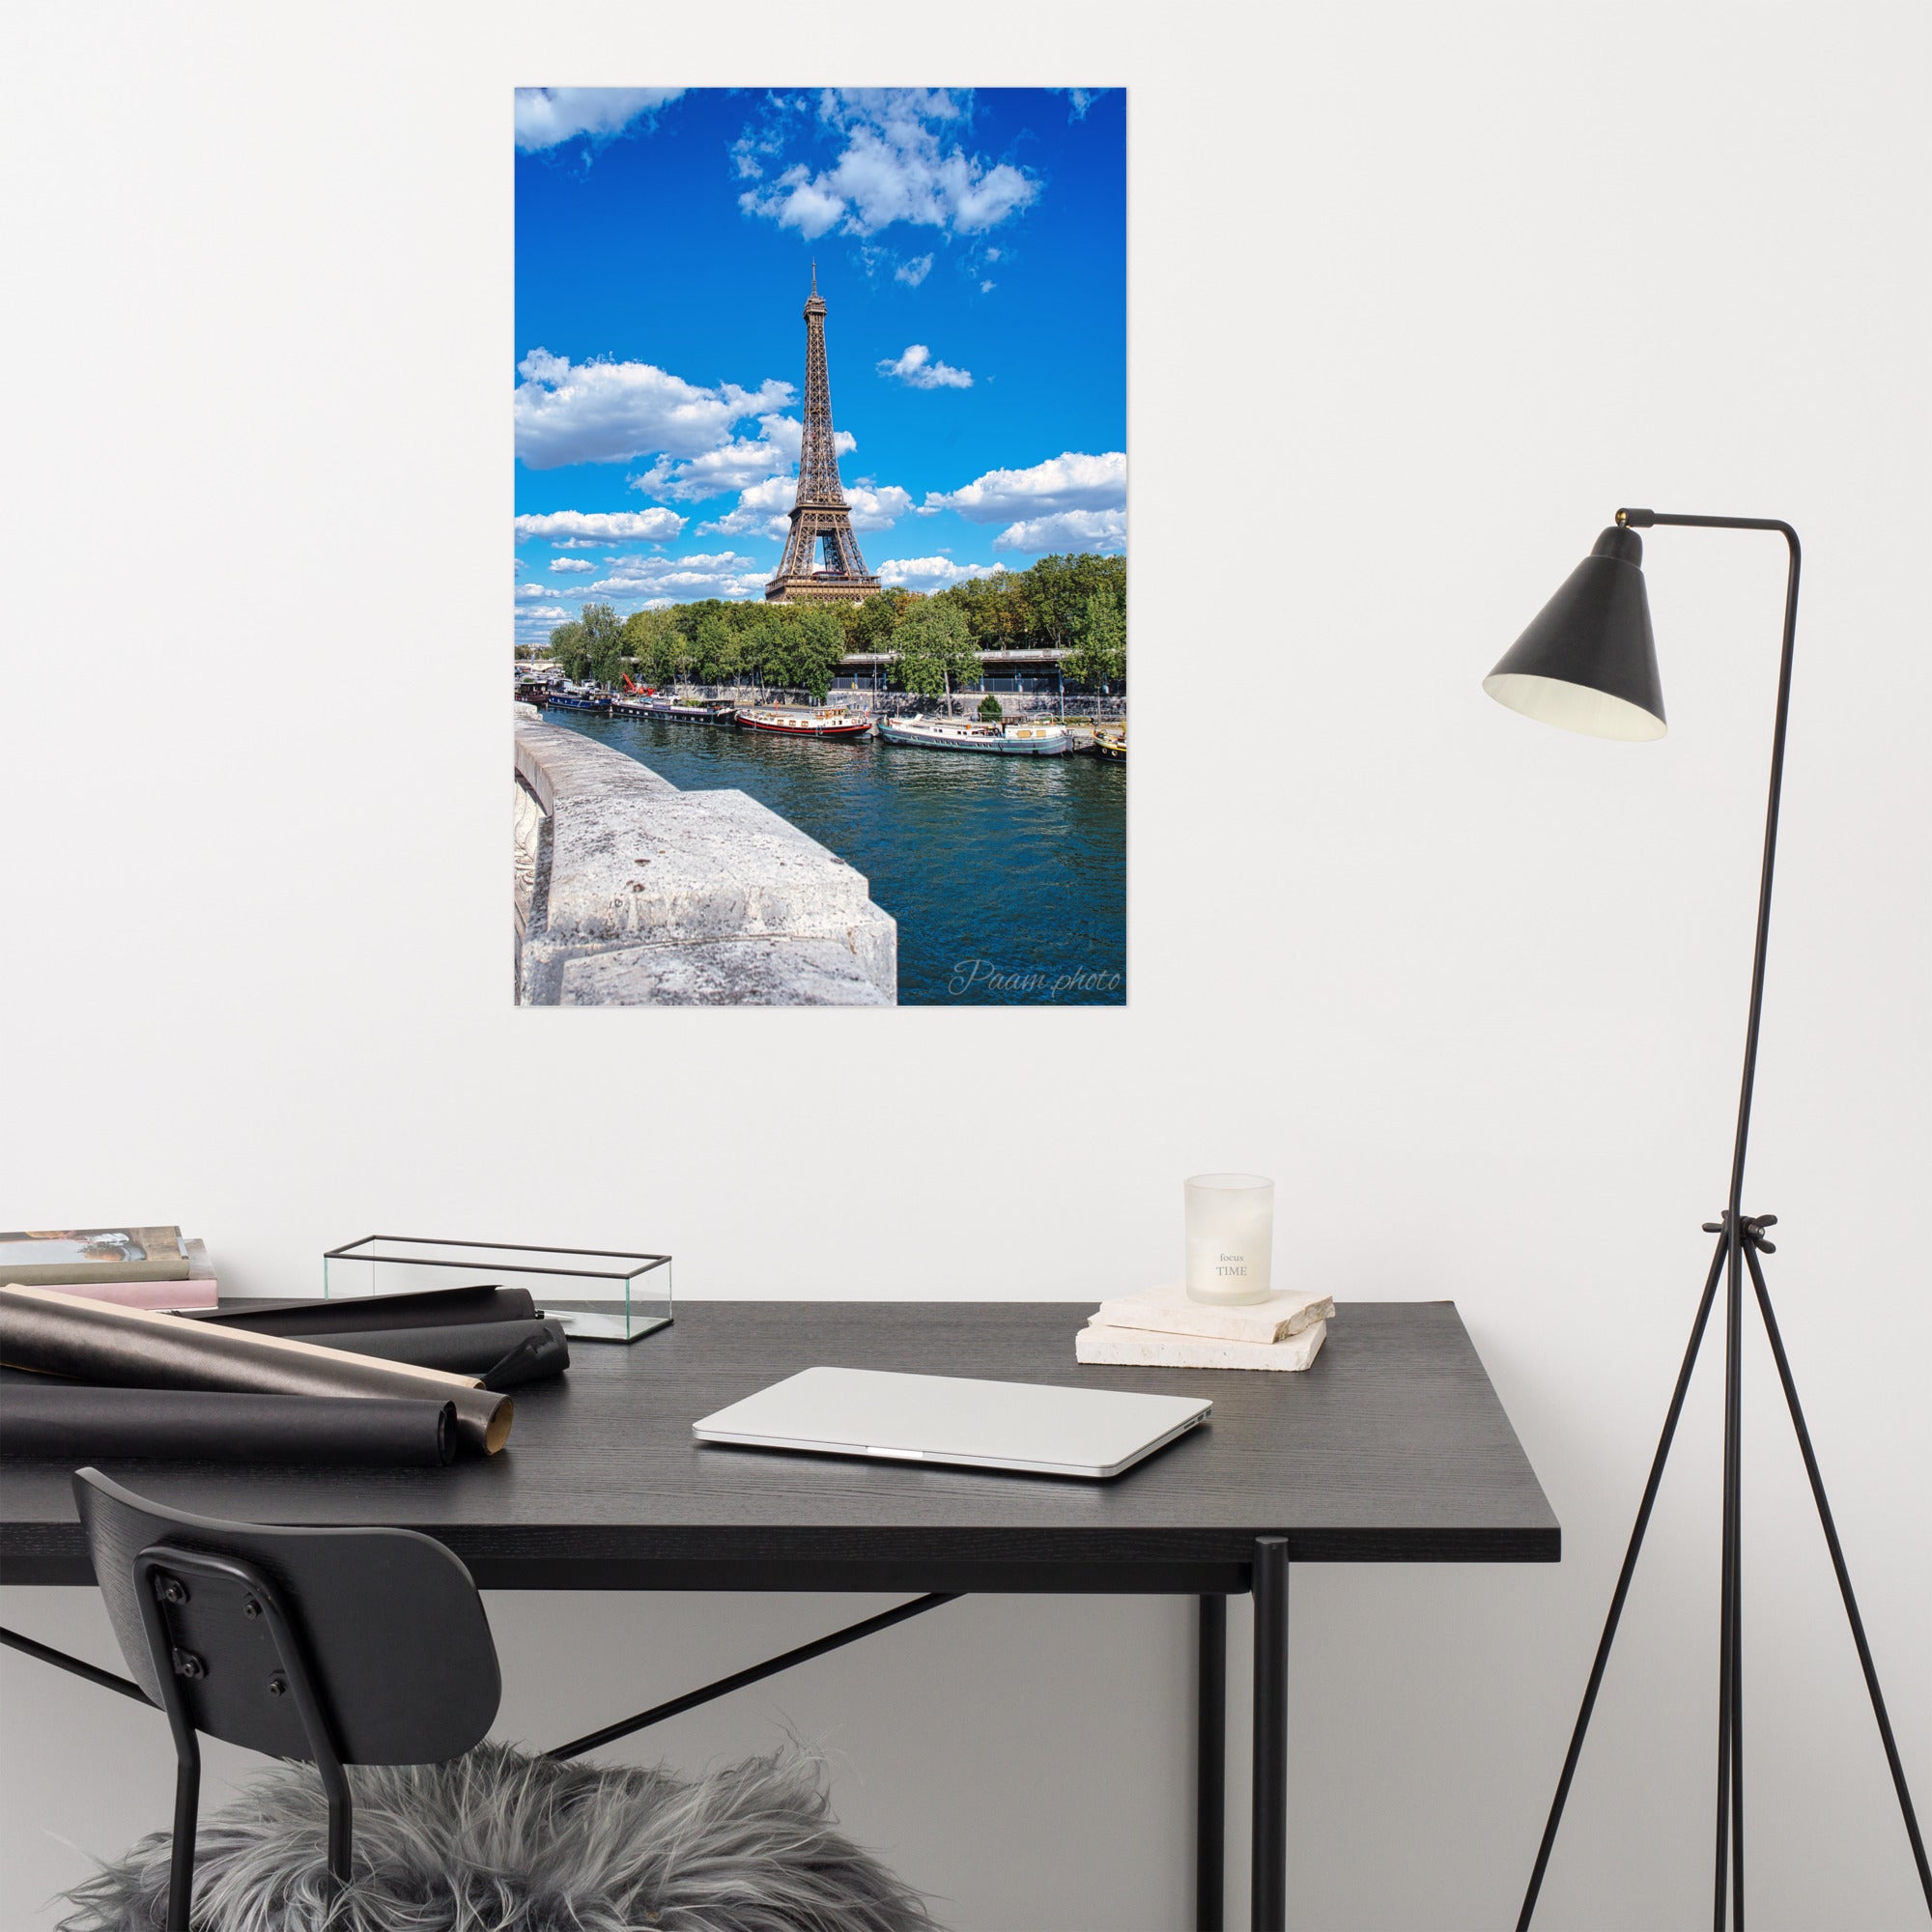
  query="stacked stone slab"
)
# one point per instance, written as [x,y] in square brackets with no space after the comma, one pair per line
[633,892]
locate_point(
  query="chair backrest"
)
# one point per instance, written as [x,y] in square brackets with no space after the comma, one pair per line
[391,1629]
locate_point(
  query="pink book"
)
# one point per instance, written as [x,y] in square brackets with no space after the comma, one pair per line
[159,1294]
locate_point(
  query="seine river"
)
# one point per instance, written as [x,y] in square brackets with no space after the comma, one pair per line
[1007,876]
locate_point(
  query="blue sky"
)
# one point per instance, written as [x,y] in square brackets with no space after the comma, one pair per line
[972,252]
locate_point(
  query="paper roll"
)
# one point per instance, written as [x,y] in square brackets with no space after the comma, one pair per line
[466,1348]
[135,1348]
[363,1314]
[69,1423]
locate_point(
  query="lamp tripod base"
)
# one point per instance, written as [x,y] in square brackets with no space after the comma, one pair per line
[1741,1240]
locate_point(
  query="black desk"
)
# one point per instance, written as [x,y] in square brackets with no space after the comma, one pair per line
[1391,1448]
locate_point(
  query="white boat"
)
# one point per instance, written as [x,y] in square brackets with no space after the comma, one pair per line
[1044,740]
[807,720]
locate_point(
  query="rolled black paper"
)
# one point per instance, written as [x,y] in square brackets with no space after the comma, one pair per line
[71,1424]
[363,1314]
[466,1348]
[524,1363]
[137,1347]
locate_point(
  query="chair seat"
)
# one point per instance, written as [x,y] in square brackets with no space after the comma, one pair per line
[499,1841]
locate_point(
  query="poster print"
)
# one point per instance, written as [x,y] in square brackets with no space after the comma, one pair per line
[821,579]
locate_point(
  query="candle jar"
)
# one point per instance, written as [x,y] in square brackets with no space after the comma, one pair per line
[1230,1237]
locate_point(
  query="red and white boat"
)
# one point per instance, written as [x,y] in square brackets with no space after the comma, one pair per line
[807,720]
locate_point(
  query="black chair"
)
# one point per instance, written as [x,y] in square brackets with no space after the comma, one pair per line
[331,1646]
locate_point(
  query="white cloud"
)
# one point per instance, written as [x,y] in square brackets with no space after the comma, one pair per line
[736,464]
[876,508]
[579,529]
[535,590]
[760,512]
[1066,530]
[571,563]
[914,272]
[683,579]
[896,165]
[796,202]
[987,288]
[917,369]
[927,573]
[755,146]
[788,433]
[549,614]
[548,115]
[763,508]
[610,412]
[1069,481]
[1079,100]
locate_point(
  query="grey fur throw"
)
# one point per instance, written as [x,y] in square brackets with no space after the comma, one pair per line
[495,1841]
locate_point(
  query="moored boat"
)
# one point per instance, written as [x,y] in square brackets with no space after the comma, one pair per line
[1042,739]
[807,720]
[700,711]
[1111,744]
[580,697]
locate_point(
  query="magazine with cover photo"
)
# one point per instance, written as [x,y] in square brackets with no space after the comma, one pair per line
[57,1254]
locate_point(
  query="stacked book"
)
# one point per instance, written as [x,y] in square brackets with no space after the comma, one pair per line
[1162,1328]
[131,1268]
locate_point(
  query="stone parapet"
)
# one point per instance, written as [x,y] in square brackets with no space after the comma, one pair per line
[633,892]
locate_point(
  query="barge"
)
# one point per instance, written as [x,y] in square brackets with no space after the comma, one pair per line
[1044,740]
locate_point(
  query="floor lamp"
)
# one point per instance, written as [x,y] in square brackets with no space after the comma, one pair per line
[1588,662]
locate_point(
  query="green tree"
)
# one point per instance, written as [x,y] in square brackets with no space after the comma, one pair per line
[989,709]
[995,609]
[869,622]
[652,641]
[714,648]
[1056,599]
[571,649]
[1098,656]
[761,646]
[603,641]
[933,649]
[811,644]
[668,652]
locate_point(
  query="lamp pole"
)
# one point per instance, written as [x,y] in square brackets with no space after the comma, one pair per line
[1741,1240]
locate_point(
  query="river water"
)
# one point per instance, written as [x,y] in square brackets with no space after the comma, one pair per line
[1007,876]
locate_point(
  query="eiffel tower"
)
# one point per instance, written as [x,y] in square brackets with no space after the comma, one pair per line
[819,515]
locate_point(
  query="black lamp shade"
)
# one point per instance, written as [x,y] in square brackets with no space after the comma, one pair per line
[1588,662]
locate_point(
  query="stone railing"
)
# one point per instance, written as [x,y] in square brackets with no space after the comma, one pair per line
[630,891]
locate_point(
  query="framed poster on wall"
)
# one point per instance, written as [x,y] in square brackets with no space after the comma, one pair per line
[821,579]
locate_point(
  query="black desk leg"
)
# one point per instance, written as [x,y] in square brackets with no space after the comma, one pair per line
[1270,1893]
[1210,1766]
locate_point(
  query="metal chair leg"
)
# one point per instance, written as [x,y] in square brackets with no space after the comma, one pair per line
[181,1862]
[341,1832]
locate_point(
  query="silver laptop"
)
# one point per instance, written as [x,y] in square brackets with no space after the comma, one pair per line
[979,1425]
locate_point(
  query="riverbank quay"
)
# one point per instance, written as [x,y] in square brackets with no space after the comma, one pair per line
[631,892]
[1019,862]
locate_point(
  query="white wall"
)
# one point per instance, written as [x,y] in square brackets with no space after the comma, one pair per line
[1420,296]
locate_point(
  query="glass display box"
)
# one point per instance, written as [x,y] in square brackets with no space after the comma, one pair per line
[598,1296]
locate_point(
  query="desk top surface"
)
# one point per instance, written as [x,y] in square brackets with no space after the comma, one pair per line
[1391,1447]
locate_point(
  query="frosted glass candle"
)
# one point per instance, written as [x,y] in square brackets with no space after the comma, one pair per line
[1230,1237]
